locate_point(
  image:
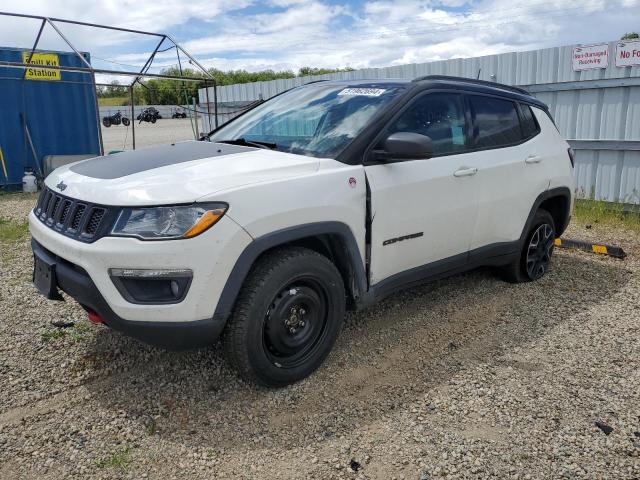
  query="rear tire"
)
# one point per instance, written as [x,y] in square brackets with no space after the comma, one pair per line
[286,318]
[535,257]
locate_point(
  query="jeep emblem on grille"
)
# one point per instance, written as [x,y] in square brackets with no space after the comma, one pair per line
[61,186]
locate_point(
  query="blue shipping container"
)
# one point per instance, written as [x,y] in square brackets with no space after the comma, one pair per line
[59,109]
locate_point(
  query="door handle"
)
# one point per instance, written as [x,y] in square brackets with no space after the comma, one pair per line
[533,159]
[465,172]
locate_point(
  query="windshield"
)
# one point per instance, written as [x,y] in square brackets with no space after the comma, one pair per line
[317,120]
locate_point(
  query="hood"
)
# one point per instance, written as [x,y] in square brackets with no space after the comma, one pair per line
[177,173]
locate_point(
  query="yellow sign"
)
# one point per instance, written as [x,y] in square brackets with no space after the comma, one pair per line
[48,59]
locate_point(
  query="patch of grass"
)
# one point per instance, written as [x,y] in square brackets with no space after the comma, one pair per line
[607,213]
[80,331]
[120,459]
[52,334]
[12,231]
[113,101]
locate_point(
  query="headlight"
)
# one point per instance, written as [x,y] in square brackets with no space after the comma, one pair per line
[162,223]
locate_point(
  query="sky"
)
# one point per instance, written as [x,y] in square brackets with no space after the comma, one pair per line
[289,34]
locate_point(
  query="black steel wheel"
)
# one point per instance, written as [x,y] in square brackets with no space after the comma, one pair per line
[287,317]
[125,121]
[295,322]
[106,121]
[535,257]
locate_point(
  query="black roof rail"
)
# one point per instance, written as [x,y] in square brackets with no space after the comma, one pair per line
[472,81]
[315,81]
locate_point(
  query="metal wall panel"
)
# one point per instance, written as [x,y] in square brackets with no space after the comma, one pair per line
[587,112]
[60,114]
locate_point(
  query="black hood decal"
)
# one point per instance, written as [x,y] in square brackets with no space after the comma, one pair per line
[126,163]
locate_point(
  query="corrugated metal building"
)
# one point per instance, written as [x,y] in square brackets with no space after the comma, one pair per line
[57,108]
[597,110]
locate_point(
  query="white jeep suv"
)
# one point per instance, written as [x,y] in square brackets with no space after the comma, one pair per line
[329,196]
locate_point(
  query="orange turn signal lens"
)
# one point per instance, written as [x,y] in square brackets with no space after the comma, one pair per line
[206,221]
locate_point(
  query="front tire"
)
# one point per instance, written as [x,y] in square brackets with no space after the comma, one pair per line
[535,257]
[286,318]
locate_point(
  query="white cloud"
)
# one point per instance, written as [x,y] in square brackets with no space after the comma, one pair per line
[315,33]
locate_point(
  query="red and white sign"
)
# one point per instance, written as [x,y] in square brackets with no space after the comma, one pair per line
[590,56]
[628,54]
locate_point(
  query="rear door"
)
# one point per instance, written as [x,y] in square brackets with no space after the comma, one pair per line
[513,173]
[424,211]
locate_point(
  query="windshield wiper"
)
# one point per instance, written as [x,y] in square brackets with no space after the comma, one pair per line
[249,143]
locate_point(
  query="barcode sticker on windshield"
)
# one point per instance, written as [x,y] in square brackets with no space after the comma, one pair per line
[367,92]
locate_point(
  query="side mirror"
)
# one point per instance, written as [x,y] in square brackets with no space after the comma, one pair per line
[405,146]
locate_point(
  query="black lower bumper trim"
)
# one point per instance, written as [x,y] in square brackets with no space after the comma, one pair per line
[77,283]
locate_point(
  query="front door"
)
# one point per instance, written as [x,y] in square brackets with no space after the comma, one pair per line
[424,210]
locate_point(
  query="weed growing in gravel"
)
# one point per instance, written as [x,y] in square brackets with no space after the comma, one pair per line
[607,213]
[12,231]
[120,459]
[80,331]
[51,334]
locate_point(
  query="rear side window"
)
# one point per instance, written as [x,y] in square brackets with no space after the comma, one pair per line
[529,124]
[495,122]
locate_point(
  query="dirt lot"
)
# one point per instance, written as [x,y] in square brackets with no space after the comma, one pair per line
[467,377]
[163,131]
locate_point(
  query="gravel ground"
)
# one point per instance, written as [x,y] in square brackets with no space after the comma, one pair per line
[467,377]
[163,131]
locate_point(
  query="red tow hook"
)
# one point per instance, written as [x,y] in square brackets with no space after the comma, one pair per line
[95,318]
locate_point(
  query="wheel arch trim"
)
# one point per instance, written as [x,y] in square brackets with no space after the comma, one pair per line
[546,195]
[271,240]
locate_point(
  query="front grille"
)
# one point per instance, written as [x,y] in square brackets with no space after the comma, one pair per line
[77,217]
[94,221]
[80,220]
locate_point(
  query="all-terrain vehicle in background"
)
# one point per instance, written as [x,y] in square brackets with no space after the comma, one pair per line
[115,119]
[327,197]
[179,113]
[149,114]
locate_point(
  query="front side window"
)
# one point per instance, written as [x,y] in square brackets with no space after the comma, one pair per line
[439,116]
[317,120]
[495,120]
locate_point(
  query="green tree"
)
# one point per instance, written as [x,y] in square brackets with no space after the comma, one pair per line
[161,91]
[306,71]
[630,36]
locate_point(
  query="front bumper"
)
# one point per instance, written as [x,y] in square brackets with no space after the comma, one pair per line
[76,283]
[84,275]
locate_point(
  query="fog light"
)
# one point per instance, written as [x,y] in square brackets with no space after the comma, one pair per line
[175,289]
[152,286]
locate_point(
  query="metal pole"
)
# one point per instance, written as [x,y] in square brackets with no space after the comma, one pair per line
[193,101]
[215,103]
[206,96]
[95,93]
[44,22]
[7,64]
[72,47]
[149,61]
[133,118]
[85,24]
[204,70]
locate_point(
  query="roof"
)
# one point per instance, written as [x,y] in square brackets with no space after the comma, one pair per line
[434,81]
